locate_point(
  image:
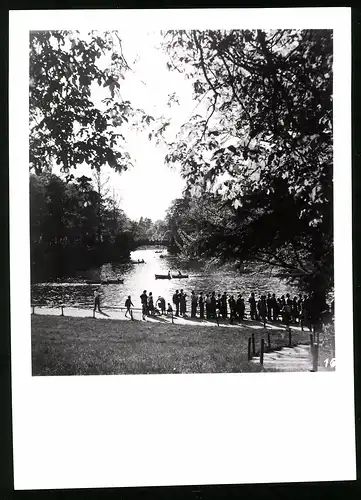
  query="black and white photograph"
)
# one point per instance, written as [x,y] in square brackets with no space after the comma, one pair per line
[181,201]
[187,191]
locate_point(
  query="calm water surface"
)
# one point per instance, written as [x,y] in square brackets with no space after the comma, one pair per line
[139,277]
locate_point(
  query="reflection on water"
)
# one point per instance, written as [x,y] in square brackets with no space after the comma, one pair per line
[139,277]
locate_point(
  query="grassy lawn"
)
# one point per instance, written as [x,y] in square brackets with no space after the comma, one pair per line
[84,346]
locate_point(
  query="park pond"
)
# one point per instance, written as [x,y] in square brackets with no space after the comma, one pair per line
[141,276]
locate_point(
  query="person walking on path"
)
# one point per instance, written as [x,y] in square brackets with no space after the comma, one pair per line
[151,304]
[97,301]
[194,302]
[128,305]
[161,304]
[224,306]
[262,308]
[269,307]
[274,307]
[232,308]
[144,301]
[213,305]
[252,306]
[182,303]
[201,306]
[208,307]
[176,301]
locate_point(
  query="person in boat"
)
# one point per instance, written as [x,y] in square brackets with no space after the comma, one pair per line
[201,305]
[223,309]
[161,304]
[97,301]
[128,305]
[213,305]
[179,274]
[144,301]
[169,275]
[176,302]
[252,306]
[194,303]
[151,304]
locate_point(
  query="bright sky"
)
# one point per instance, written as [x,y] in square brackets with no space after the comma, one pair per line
[148,188]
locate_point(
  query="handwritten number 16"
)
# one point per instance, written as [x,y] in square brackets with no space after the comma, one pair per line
[331,363]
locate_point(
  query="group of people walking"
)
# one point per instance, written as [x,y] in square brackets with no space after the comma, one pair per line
[305,310]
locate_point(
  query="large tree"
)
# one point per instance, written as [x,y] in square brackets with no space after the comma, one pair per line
[264,143]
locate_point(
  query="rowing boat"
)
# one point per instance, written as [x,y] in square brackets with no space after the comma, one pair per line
[138,262]
[105,282]
[162,277]
[180,276]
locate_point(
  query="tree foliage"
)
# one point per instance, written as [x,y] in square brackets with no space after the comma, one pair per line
[264,143]
[65,124]
[64,227]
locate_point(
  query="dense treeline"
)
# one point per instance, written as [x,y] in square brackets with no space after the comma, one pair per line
[74,227]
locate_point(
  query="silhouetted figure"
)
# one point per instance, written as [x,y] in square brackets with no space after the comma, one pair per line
[169,309]
[161,304]
[223,309]
[232,308]
[213,305]
[275,309]
[242,309]
[194,302]
[176,302]
[269,307]
[182,303]
[201,306]
[252,306]
[238,306]
[208,307]
[294,310]
[219,305]
[150,304]
[97,301]
[128,305]
[262,308]
[144,301]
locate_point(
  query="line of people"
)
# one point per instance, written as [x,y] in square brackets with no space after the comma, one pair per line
[305,310]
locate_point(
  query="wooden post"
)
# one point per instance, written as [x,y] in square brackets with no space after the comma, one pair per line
[269,340]
[62,310]
[33,310]
[249,349]
[217,318]
[172,318]
[253,346]
[131,315]
[289,337]
[93,313]
[262,351]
